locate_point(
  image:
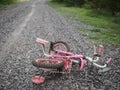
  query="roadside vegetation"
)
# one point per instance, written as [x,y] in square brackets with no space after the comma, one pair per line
[106,23]
[7,2]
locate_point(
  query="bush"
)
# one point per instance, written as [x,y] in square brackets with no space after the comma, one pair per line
[112,6]
[4,2]
[72,2]
[58,0]
[75,2]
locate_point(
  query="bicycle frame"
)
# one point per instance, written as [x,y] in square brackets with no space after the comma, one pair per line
[70,59]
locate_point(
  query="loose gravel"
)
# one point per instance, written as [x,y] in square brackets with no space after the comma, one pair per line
[21,24]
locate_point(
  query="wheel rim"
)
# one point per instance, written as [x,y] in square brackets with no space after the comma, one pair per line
[59,46]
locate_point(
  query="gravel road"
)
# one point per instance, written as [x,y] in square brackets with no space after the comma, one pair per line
[21,24]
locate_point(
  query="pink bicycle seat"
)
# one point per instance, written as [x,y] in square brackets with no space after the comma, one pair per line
[41,41]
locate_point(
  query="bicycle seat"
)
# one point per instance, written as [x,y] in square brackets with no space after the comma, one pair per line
[41,41]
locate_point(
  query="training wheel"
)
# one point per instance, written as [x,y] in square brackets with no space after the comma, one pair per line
[38,79]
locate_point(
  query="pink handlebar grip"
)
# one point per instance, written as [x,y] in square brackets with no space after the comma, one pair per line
[100,48]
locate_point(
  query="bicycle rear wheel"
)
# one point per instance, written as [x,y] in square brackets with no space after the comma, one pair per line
[60,45]
[48,63]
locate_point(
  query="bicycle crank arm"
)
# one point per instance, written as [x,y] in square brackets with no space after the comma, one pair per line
[75,61]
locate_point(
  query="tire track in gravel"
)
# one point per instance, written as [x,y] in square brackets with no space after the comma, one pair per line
[20,49]
[11,66]
[16,34]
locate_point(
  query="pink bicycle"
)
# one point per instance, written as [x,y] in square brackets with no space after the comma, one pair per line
[60,60]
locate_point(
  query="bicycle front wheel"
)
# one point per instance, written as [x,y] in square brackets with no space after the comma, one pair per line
[48,63]
[60,45]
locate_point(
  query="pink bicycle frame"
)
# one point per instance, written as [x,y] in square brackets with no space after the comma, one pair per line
[70,56]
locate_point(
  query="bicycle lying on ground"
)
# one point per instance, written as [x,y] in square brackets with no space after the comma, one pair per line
[60,59]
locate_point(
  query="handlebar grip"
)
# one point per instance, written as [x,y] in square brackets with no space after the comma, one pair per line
[100,48]
[109,60]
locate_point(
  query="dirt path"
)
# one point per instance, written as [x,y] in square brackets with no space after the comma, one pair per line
[20,25]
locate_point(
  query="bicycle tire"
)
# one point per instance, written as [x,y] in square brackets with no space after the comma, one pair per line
[48,63]
[59,43]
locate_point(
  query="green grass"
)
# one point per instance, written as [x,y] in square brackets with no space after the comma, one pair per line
[7,2]
[109,26]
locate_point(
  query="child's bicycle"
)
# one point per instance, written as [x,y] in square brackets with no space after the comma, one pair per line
[60,60]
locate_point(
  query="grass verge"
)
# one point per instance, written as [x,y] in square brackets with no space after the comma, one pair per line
[7,2]
[107,27]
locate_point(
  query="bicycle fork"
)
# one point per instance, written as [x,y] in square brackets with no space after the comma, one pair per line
[82,63]
[68,65]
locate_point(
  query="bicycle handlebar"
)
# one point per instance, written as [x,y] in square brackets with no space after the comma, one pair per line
[100,66]
[94,62]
